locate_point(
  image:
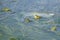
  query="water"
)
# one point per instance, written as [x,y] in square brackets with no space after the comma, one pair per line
[12,24]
